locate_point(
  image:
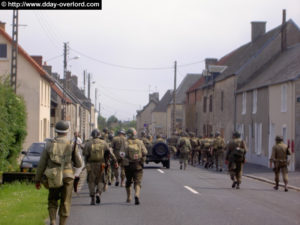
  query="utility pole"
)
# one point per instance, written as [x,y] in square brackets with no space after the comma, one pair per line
[89,86]
[14,51]
[84,75]
[64,79]
[174,100]
[96,93]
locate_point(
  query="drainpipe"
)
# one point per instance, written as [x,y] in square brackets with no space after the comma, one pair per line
[235,87]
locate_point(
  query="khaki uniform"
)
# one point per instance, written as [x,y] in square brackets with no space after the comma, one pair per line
[206,152]
[172,142]
[94,152]
[195,145]
[184,148]
[59,150]
[218,151]
[135,153]
[280,151]
[118,145]
[235,155]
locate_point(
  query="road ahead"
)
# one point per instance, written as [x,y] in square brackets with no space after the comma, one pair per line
[195,196]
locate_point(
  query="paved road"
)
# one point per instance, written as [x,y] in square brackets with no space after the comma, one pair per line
[195,196]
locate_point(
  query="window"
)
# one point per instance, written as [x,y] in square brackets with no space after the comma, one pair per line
[3,51]
[258,138]
[250,138]
[244,103]
[210,103]
[283,98]
[284,134]
[204,104]
[254,103]
[222,101]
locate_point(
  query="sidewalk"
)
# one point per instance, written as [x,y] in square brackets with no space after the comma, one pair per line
[265,174]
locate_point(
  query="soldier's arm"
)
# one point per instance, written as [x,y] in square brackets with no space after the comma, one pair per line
[144,150]
[85,152]
[110,151]
[76,159]
[42,164]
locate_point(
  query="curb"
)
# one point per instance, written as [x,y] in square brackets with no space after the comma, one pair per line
[271,182]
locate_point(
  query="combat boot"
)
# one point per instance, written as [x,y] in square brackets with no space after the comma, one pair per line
[237,186]
[233,184]
[92,200]
[52,215]
[276,186]
[63,220]
[117,183]
[137,201]
[98,200]
[128,192]
[137,189]
[181,166]
[285,188]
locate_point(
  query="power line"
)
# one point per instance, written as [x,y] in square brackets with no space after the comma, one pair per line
[132,67]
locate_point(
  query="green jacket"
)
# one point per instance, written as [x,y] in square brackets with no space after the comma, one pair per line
[70,159]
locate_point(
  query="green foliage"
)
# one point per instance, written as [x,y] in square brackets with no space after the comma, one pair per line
[12,126]
[22,204]
[113,123]
[101,122]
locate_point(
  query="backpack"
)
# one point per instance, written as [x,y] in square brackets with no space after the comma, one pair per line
[134,152]
[183,145]
[194,142]
[206,143]
[97,151]
[238,152]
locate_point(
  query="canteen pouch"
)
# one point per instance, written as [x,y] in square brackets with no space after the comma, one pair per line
[55,177]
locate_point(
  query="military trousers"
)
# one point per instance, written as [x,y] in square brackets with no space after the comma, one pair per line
[236,171]
[284,172]
[183,158]
[64,194]
[133,174]
[95,177]
[219,158]
[119,171]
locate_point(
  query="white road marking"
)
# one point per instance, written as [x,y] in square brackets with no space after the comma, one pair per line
[192,190]
[159,170]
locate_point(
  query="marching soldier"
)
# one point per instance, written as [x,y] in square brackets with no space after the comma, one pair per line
[56,163]
[279,157]
[199,149]
[172,142]
[146,141]
[218,151]
[135,153]
[206,152]
[184,148]
[195,144]
[118,145]
[235,158]
[94,153]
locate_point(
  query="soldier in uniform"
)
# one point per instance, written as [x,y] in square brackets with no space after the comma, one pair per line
[199,149]
[56,163]
[108,161]
[184,148]
[279,157]
[135,153]
[118,145]
[218,151]
[235,158]
[159,139]
[146,140]
[195,144]
[94,155]
[206,152]
[172,142]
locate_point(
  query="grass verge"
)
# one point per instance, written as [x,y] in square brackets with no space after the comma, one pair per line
[22,204]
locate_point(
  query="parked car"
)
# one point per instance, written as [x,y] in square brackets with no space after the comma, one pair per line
[159,153]
[32,156]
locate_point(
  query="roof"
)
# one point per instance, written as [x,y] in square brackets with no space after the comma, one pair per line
[284,68]
[142,110]
[237,59]
[197,84]
[35,65]
[162,105]
[187,82]
[59,92]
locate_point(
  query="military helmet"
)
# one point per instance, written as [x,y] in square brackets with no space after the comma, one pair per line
[278,138]
[143,133]
[122,131]
[131,132]
[62,127]
[158,136]
[211,135]
[95,133]
[217,134]
[105,130]
[236,134]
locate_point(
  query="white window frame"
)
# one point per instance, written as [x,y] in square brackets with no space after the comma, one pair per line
[254,101]
[284,98]
[244,103]
[258,138]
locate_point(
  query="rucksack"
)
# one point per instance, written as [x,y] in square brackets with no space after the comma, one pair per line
[238,152]
[97,151]
[194,142]
[134,152]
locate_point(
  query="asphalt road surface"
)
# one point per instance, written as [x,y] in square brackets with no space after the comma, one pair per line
[194,196]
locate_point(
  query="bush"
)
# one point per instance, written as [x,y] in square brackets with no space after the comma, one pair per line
[12,126]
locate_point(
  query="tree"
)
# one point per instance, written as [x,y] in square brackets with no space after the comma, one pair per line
[112,122]
[12,126]
[101,122]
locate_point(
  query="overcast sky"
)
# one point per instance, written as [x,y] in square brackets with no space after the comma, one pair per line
[143,34]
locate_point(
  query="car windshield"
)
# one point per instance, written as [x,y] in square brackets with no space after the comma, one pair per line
[36,148]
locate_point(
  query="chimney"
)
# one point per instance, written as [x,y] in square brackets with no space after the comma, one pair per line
[74,79]
[210,61]
[38,59]
[283,31]
[154,96]
[258,30]
[2,25]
